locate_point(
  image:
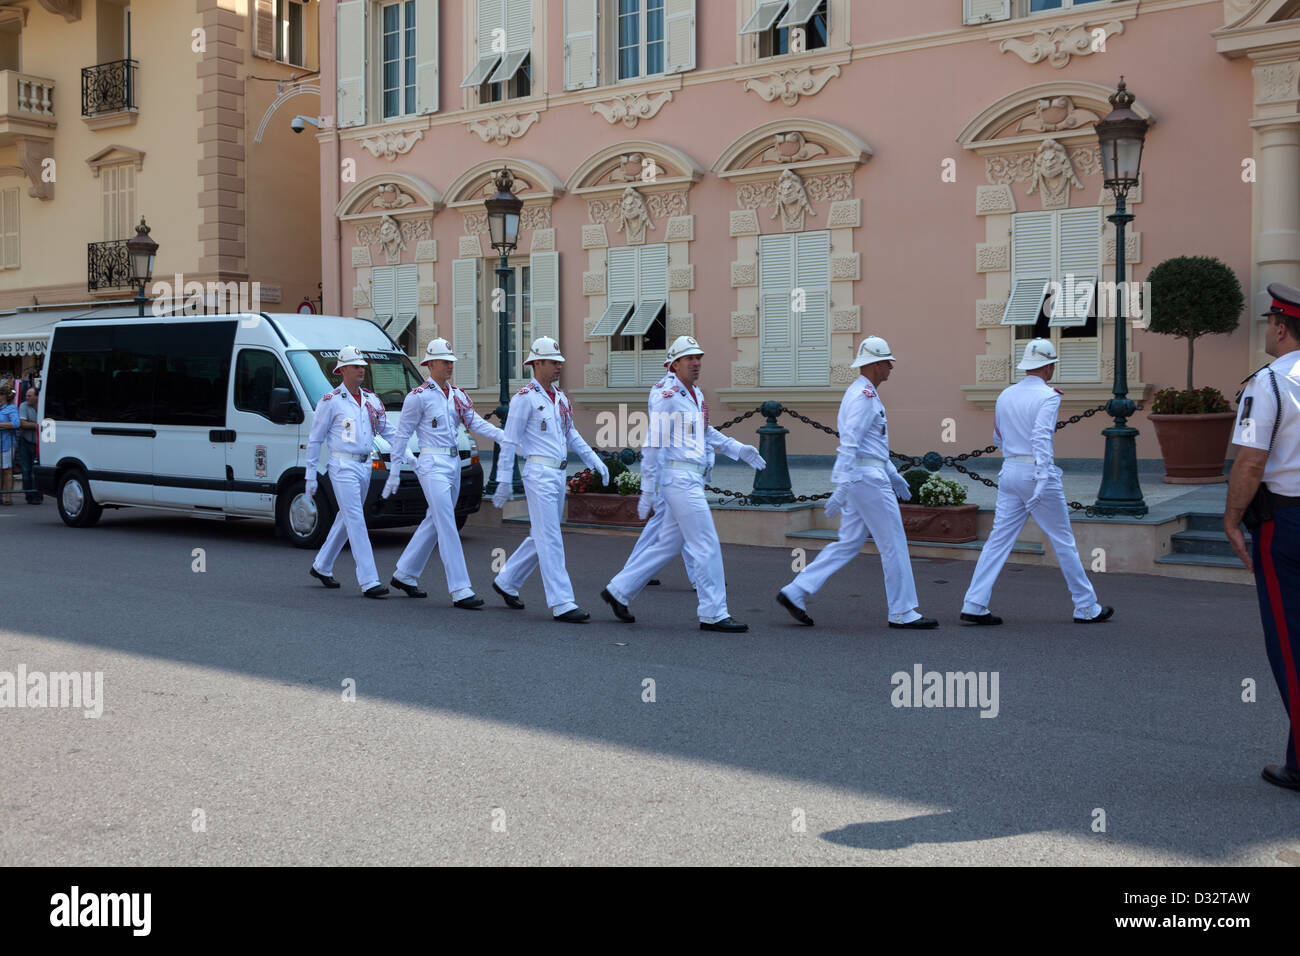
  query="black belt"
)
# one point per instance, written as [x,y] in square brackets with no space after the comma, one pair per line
[1282,501]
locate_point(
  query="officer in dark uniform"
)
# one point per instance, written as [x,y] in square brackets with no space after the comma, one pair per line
[1265,489]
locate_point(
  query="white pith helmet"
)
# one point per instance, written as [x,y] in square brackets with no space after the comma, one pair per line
[438,350]
[682,345]
[1038,352]
[544,348]
[349,355]
[873,349]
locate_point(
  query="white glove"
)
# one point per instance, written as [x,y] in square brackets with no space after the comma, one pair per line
[310,489]
[644,506]
[750,456]
[901,488]
[502,494]
[1039,487]
[835,503]
[390,486]
[603,472]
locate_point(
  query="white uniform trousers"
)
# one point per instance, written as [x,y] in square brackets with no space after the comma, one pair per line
[544,489]
[440,481]
[350,481]
[650,534]
[1015,488]
[687,523]
[872,506]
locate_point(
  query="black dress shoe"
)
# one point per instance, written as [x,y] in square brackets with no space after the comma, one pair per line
[1282,776]
[377,591]
[652,583]
[573,616]
[985,618]
[728,624]
[512,600]
[620,610]
[325,579]
[1105,614]
[920,624]
[471,603]
[796,612]
[412,590]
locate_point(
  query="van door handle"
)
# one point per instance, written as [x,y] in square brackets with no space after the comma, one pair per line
[221,436]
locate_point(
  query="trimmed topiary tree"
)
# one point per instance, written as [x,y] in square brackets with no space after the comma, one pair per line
[1193,296]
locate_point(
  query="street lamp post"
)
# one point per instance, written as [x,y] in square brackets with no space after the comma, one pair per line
[140,253]
[503,225]
[1121,134]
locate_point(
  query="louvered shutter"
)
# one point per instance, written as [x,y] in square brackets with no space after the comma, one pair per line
[464,311]
[108,197]
[1080,360]
[776,344]
[652,288]
[264,25]
[621,283]
[351,59]
[985,11]
[383,294]
[545,293]
[491,17]
[1017,353]
[406,299]
[811,327]
[9,228]
[1032,266]
[1078,264]
[679,33]
[519,39]
[800,12]
[581,27]
[764,16]
[426,56]
[125,201]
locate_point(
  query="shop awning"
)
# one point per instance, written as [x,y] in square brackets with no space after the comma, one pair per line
[28,332]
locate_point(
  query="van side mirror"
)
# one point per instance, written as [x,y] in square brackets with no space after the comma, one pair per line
[285,409]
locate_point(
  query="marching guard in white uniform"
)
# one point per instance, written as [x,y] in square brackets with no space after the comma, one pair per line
[1030,483]
[347,418]
[867,489]
[433,413]
[540,427]
[673,463]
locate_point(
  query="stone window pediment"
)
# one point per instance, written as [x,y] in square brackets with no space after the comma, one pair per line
[113,156]
[1064,111]
[806,147]
[388,194]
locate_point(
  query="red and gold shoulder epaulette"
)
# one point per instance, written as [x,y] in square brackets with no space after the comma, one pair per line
[1058,391]
[868,391]
[417,390]
[525,390]
[327,396]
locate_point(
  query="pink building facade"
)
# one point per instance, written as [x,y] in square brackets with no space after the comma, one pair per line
[780,179]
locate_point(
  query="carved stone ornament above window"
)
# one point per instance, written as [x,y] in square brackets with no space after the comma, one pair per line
[501,128]
[392,235]
[392,144]
[1055,113]
[791,201]
[830,188]
[792,147]
[390,196]
[70,10]
[1058,44]
[630,108]
[791,84]
[1022,167]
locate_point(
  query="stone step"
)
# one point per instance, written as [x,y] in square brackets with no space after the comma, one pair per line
[1201,542]
[1203,561]
[1205,522]
[1020,547]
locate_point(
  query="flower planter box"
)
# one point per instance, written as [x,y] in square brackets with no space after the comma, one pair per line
[1194,446]
[586,508]
[950,524]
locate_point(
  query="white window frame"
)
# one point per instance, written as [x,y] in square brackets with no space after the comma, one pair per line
[766,38]
[1022,7]
[642,307]
[519,372]
[121,225]
[643,43]
[283,34]
[519,54]
[9,230]
[813,291]
[408,55]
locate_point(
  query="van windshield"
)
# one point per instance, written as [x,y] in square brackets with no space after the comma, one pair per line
[390,375]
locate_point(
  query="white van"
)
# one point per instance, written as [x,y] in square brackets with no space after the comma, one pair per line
[209,415]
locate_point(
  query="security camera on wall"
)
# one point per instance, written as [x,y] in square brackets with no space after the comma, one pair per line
[299,123]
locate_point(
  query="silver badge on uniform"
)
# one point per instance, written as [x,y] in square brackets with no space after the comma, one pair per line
[349,430]
[543,424]
[435,421]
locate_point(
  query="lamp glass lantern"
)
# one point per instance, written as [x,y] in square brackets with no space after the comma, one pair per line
[1121,134]
[141,252]
[503,214]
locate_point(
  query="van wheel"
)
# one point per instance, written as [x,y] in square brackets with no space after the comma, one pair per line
[77,507]
[296,520]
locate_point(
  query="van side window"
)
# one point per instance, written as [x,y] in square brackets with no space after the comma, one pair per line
[256,373]
[194,373]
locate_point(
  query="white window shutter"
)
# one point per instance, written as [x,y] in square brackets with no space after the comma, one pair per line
[126,200]
[581,27]
[383,294]
[776,345]
[492,44]
[1026,301]
[407,293]
[351,59]
[811,329]
[1032,240]
[800,12]
[1080,360]
[652,288]
[624,369]
[985,11]
[679,34]
[764,16]
[464,310]
[264,26]
[545,279]
[108,197]
[1078,264]
[426,56]
[519,25]
[9,228]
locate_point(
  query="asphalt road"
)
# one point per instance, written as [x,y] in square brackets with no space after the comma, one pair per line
[498,736]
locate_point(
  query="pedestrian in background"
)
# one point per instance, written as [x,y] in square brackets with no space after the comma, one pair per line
[27,447]
[9,425]
[1264,491]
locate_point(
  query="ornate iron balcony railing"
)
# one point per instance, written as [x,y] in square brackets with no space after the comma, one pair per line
[107,265]
[108,87]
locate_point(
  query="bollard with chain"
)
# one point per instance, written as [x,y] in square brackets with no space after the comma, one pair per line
[772,484]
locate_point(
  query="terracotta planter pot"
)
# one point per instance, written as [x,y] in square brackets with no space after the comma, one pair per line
[951,524]
[1194,446]
[604,509]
